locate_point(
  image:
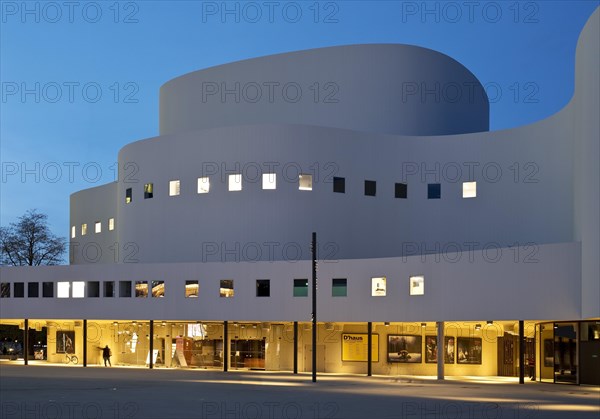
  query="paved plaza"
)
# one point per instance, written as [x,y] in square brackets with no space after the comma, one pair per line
[97,392]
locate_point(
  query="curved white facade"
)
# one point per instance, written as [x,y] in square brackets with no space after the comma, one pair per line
[390,162]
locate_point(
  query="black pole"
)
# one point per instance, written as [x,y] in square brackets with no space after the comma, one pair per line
[521,352]
[295,347]
[26,342]
[225,343]
[85,342]
[369,348]
[151,359]
[314,307]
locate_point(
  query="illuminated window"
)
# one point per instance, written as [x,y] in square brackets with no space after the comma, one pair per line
[158,289]
[98,227]
[111,224]
[125,289]
[203,185]
[300,287]
[19,290]
[434,191]
[378,286]
[305,182]
[93,289]
[269,181]
[174,187]
[417,285]
[370,188]
[63,289]
[226,288]
[263,288]
[83,229]
[48,289]
[78,289]
[339,184]
[235,182]
[148,190]
[128,195]
[72,232]
[401,190]
[191,289]
[33,289]
[339,287]
[469,189]
[141,289]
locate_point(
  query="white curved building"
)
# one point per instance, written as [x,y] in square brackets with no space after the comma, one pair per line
[430,227]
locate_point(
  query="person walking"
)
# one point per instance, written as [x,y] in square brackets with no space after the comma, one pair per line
[106,356]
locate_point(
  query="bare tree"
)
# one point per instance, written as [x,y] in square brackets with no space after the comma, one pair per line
[29,241]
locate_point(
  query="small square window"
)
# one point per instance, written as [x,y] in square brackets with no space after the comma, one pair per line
[83,229]
[469,189]
[339,184]
[72,232]
[305,182]
[191,289]
[174,187]
[19,290]
[148,190]
[370,188]
[128,195]
[235,182]
[125,289]
[33,289]
[93,289]
[401,190]
[269,181]
[111,224]
[226,288]
[378,286]
[141,289]
[263,288]
[417,285]
[63,289]
[158,289]
[48,289]
[98,227]
[434,191]
[203,185]
[300,287]
[78,289]
[5,290]
[339,287]
[109,289]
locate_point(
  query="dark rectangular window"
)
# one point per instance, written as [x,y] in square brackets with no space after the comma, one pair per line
[128,196]
[401,190]
[124,288]
[263,288]
[339,184]
[434,191]
[33,289]
[93,289]
[5,290]
[339,287]
[109,289]
[48,289]
[19,289]
[370,187]
[148,190]
[300,287]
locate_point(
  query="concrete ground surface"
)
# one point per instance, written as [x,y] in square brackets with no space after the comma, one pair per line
[121,393]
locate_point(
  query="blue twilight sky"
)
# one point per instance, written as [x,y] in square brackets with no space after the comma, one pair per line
[80,79]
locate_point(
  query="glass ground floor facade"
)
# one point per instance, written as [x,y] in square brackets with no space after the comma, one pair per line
[561,352]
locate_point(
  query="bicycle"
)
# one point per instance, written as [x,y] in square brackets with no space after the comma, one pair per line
[71,358]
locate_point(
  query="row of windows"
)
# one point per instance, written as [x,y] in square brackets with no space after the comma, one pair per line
[97,227]
[305,183]
[156,289]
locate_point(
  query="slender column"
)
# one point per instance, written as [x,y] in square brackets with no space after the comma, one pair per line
[26,342]
[369,348]
[151,360]
[225,344]
[295,347]
[440,350]
[314,307]
[85,342]
[521,352]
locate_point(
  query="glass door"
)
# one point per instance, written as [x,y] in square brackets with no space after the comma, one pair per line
[565,353]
